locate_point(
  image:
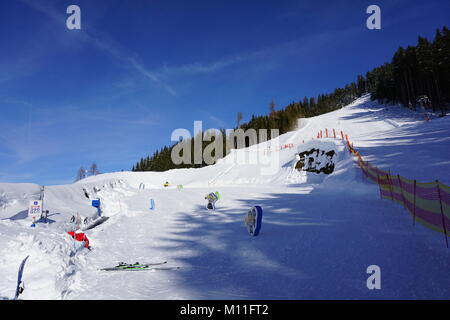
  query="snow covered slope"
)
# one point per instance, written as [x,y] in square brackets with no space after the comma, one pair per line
[319,233]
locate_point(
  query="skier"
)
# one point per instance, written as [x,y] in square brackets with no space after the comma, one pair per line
[212,198]
[166,184]
[78,235]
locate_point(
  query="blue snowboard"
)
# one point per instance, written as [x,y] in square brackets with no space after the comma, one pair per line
[19,289]
[253,220]
[152,204]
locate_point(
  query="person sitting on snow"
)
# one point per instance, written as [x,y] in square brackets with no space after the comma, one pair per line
[79,235]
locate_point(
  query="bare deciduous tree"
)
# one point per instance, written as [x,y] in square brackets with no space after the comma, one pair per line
[81,174]
[93,170]
[239,118]
[272,107]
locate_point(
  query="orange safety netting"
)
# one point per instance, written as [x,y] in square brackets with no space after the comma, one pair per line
[428,203]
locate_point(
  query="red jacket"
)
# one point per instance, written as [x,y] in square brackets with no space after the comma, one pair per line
[80,237]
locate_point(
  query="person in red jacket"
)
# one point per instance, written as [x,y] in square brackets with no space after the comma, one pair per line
[80,236]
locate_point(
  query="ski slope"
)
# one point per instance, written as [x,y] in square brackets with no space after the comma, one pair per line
[319,233]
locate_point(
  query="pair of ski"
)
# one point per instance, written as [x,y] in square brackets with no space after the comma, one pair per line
[139,267]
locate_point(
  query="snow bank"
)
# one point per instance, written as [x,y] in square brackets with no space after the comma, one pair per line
[14,198]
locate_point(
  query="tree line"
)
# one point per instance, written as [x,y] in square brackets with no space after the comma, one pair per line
[416,76]
[284,120]
[83,173]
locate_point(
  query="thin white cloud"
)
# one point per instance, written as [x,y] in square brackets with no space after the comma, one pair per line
[139,67]
[103,43]
[203,68]
[270,54]
[218,121]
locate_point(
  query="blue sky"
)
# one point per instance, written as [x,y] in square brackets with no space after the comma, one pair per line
[115,90]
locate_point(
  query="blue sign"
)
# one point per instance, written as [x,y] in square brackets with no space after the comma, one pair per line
[96,204]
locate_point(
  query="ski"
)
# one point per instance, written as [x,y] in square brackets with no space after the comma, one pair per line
[136,266]
[149,268]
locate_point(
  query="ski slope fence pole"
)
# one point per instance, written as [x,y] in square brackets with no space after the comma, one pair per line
[414,212]
[363,169]
[401,190]
[342,135]
[367,168]
[391,188]
[334,133]
[42,198]
[379,184]
[442,212]
[362,165]
[326,132]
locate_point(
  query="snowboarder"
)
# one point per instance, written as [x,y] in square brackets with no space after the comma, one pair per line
[79,235]
[212,198]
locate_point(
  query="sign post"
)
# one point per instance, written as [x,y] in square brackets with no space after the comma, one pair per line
[35,211]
